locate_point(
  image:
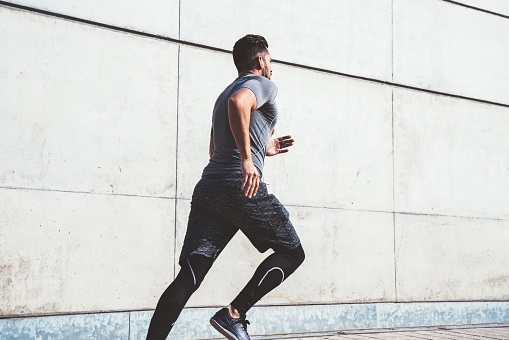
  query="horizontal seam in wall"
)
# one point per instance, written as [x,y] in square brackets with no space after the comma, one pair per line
[207,47]
[397,85]
[477,8]
[453,216]
[83,192]
[18,316]
[399,212]
[384,211]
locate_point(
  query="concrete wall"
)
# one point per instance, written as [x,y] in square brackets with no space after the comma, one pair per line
[398,183]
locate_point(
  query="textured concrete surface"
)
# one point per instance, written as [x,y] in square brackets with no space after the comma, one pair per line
[77,120]
[65,252]
[450,48]
[420,314]
[347,36]
[450,259]
[152,16]
[114,326]
[450,156]
[266,322]
[333,270]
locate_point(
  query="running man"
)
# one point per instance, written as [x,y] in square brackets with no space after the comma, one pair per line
[230,197]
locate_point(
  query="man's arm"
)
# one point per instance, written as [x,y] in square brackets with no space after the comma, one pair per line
[240,106]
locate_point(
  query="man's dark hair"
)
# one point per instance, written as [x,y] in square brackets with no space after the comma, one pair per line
[247,50]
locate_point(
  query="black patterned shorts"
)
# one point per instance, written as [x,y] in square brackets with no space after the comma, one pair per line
[219,209]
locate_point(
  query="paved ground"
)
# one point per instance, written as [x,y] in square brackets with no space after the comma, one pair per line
[492,332]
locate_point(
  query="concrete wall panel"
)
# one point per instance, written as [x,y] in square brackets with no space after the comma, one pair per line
[330,118]
[152,16]
[346,36]
[451,156]
[86,109]
[451,259]
[450,48]
[497,6]
[67,252]
[352,261]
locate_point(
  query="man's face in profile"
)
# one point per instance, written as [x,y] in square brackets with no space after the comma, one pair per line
[267,67]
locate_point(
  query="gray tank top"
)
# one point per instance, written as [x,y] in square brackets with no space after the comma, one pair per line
[226,156]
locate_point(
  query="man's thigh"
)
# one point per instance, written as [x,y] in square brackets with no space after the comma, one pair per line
[207,233]
[262,218]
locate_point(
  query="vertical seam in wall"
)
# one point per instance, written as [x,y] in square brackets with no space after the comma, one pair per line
[393,157]
[129,327]
[177,151]
[176,168]
[395,263]
[392,41]
[394,199]
[180,16]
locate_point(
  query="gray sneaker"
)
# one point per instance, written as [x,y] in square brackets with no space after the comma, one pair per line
[231,328]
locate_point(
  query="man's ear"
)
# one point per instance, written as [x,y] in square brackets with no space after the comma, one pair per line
[261,63]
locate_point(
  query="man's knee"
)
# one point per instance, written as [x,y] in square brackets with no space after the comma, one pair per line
[198,266]
[290,260]
[298,255]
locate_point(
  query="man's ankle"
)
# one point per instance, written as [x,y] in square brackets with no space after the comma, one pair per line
[233,312]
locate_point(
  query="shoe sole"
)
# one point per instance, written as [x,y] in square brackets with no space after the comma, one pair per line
[229,335]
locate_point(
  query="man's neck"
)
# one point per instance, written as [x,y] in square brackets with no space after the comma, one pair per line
[256,72]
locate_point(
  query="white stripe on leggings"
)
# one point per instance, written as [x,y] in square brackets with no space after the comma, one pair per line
[192,272]
[282,272]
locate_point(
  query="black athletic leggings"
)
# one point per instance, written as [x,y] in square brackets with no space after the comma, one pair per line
[269,274]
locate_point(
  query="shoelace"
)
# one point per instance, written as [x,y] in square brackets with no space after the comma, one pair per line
[243,321]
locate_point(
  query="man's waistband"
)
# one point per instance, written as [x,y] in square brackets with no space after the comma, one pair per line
[223,175]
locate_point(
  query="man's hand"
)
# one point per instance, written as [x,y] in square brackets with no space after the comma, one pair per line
[279,145]
[251,179]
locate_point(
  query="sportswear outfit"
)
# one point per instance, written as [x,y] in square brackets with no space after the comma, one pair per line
[219,209]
